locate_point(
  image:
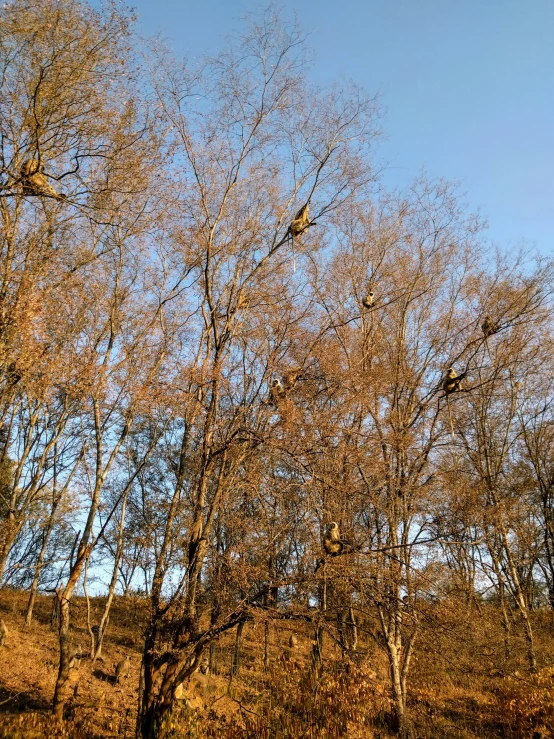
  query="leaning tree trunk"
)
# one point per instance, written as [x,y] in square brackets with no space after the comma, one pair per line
[97,634]
[63,686]
[84,550]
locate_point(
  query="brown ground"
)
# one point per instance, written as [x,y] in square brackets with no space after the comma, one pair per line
[461,688]
[29,668]
[100,708]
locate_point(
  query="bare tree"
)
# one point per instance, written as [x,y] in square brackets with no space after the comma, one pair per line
[267,146]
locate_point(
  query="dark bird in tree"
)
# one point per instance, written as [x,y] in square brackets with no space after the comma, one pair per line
[301,222]
[34,182]
[489,327]
[452,382]
[369,300]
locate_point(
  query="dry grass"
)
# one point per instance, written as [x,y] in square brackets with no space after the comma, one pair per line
[464,683]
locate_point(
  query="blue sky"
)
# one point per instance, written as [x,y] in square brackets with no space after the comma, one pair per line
[467,89]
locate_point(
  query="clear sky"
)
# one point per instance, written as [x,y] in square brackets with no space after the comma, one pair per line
[467,88]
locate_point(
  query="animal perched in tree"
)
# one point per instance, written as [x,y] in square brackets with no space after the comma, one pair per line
[34,182]
[290,378]
[368,301]
[276,390]
[489,327]
[12,374]
[452,382]
[331,539]
[122,669]
[3,633]
[293,642]
[180,692]
[75,659]
[301,221]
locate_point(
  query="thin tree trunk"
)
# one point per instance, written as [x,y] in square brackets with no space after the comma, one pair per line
[317,649]
[83,552]
[353,629]
[519,596]
[55,613]
[212,661]
[396,684]
[56,498]
[235,665]
[38,568]
[266,646]
[342,630]
[62,690]
[98,637]
[10,530]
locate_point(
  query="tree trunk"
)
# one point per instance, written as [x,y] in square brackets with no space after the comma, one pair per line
[398,683]
[342,630]
[317,649]
[55,614]
[353,629]
[145,720]
[84,550]
[97,635]
[266,646]
[62,689]
[531,656]
[10,530]
[38,569]
[519,596]
[212,661]
[155,709]
[235,665]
